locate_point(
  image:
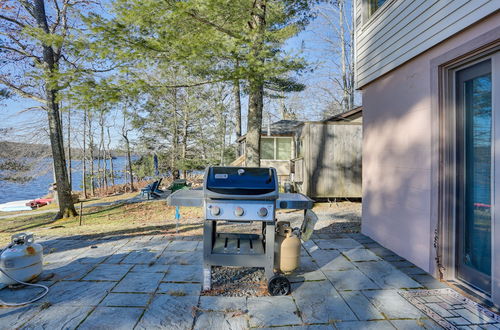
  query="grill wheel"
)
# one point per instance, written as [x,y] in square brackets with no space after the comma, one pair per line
[279,285]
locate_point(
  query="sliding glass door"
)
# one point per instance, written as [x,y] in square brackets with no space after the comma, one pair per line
[474,175]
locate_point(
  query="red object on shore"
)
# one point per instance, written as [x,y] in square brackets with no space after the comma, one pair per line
[482,205]
[39,202]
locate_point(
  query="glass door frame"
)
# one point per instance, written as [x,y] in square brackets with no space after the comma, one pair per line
[445,240]
[464,272]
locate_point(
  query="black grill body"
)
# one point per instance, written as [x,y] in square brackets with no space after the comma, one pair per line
[244,195]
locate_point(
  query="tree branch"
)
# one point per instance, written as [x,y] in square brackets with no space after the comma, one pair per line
[190,85]
[21,52]
[12,20]
[217,27]
[58,17]
[19,91]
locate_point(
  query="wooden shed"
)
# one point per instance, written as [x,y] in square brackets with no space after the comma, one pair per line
[328,162]
[277,147]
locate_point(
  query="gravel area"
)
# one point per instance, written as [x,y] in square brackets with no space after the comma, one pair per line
[238,282]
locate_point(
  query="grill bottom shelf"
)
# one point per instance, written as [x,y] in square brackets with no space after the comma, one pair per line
[245,244]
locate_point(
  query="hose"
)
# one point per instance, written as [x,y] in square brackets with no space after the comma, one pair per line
[24,283]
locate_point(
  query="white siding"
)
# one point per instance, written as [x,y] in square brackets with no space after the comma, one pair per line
[403,29]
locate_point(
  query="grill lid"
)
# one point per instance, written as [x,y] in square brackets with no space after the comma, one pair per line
[241,180]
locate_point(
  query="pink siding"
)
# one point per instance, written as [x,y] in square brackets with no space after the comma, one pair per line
[397,159]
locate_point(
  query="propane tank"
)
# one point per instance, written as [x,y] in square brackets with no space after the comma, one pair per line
[288,248]
[22,260]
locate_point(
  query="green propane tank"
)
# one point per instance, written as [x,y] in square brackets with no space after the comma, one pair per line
[287,248]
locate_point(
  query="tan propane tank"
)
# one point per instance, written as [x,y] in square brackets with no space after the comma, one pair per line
[288,248]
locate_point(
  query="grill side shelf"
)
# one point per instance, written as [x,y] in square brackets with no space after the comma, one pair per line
[294,201]
[184,197]
[194,198]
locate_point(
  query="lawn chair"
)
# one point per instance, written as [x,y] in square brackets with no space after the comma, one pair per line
[151,190]
[158,190]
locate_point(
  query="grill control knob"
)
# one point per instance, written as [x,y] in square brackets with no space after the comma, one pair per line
[262,212]
[239,211]
[215,210]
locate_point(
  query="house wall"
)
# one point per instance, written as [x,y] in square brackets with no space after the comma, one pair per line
[402,29]
[398,210]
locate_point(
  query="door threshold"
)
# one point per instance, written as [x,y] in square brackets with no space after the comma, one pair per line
[474,295]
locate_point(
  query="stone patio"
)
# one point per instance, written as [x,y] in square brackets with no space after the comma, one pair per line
[346,281]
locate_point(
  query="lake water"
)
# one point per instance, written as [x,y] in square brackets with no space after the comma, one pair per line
[11,191]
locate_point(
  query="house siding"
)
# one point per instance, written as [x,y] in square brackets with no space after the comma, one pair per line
[398,160]
[403,29]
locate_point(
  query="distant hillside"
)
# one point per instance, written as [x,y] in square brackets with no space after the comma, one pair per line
[34,150]
[9,149]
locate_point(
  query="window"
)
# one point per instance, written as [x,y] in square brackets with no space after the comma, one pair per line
[283,148]
[267,148]
[276,148]
[373,5]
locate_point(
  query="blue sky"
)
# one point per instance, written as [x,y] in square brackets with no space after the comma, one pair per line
[312,43]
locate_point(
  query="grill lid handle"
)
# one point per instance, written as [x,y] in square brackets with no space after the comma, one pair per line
[270,178]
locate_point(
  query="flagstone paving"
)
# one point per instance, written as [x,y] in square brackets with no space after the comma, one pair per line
[346,281]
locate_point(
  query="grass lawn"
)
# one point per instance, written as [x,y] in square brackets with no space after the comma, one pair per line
[152,217]
[148,217]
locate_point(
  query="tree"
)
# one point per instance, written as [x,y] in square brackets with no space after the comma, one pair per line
[207,38]
[337,34]
[185,126]
[34,40]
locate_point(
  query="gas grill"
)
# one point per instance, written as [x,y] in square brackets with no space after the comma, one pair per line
[241,195]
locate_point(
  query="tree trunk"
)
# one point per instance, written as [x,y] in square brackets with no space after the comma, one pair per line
[129,160]
[203,142]
[70,176]
[237,108]
[111,167]
[91,150]
[102,154]
[237,113]
[184,140]
[84,157]
[256,86]
[223,141]
[129,157]
[66,207]
[255,105]
[345,87]
[175,137]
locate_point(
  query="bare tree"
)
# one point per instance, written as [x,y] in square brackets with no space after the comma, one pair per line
[110,157]
[334,76]
[125,134]
[39,53]
[91,154]
[84,155]
[68,130]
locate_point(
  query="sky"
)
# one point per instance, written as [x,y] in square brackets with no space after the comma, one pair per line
[314,44]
